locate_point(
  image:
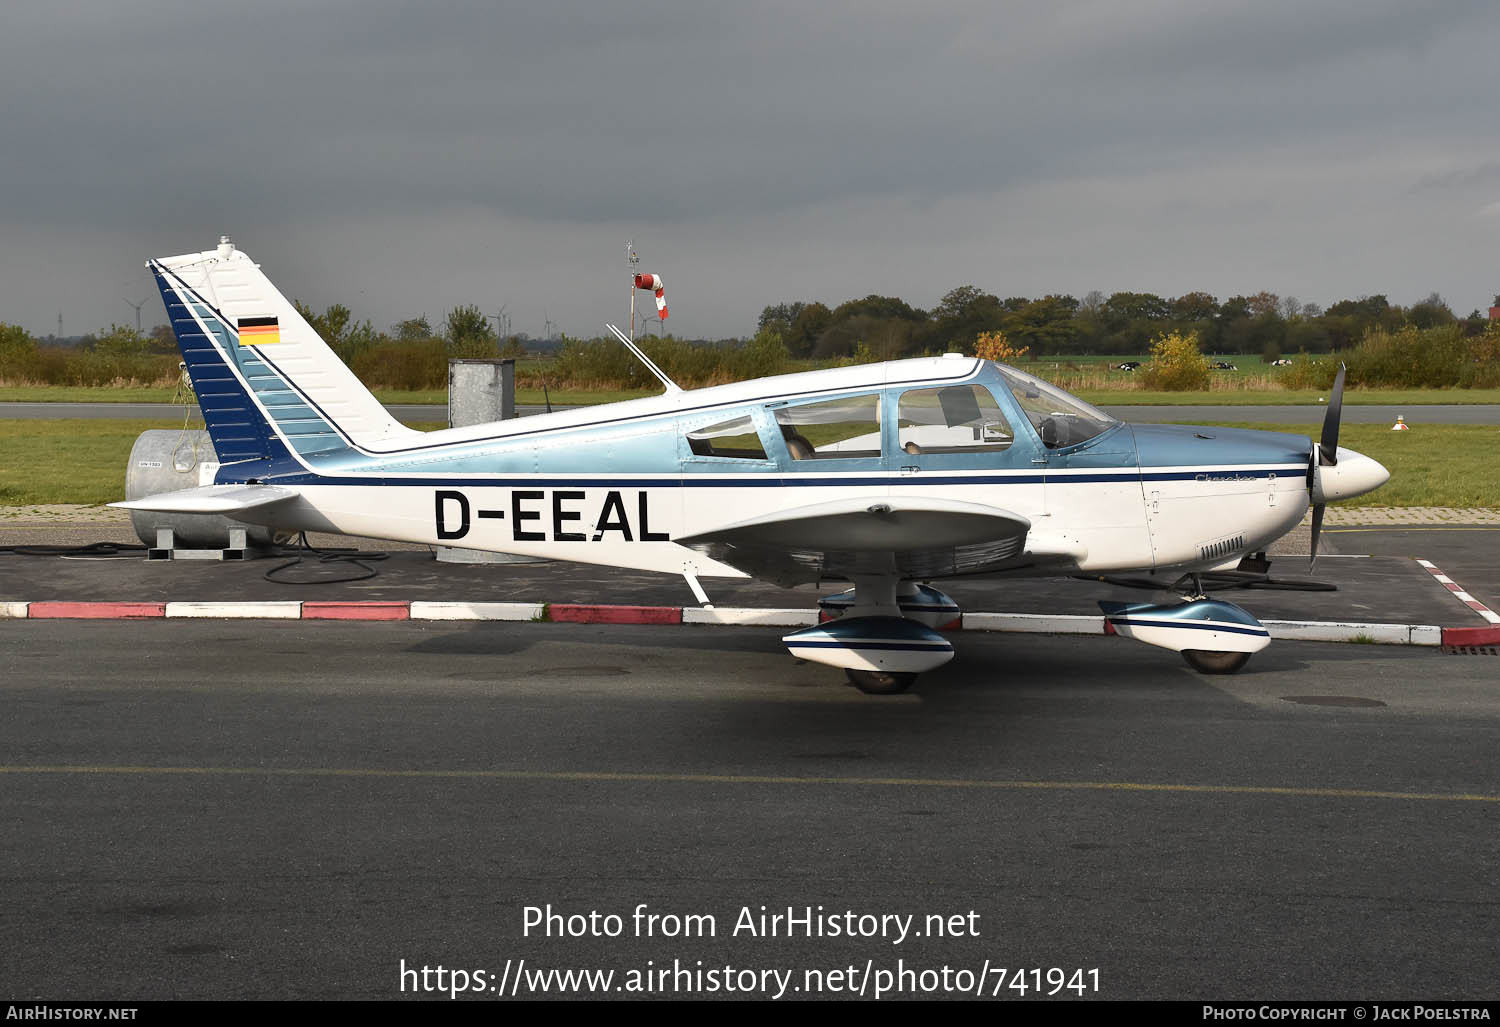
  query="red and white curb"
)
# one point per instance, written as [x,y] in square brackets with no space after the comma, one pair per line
[590,613]
[1466,636]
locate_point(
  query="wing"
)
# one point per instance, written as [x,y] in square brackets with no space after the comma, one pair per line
[907,537]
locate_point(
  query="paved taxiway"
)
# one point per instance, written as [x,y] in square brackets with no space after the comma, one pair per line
[290,809]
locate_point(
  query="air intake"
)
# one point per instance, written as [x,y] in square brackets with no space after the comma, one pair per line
[1221,548]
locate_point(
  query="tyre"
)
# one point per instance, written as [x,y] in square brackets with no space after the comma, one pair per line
[1206,661]
[879,682]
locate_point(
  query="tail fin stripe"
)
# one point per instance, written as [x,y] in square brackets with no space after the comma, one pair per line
[284,404]
[237,432]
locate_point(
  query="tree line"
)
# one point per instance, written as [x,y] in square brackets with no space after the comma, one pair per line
[1123,323]
[413,355]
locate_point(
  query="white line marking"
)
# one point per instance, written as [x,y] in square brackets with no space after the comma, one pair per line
[1457,591]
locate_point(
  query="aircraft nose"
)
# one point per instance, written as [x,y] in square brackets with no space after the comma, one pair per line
[1354,475]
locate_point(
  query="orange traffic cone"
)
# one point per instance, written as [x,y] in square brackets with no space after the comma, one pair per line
[1400,424]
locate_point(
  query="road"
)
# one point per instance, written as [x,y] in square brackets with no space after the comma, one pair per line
[289,810]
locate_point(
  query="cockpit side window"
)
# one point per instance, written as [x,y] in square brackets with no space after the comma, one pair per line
[736,439]
[834,429]
[1060,419]
[956,419]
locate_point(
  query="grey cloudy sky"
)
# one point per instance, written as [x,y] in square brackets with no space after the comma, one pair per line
[407,157]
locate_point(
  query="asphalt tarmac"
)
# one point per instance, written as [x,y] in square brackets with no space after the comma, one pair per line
[290,810]
[263,809]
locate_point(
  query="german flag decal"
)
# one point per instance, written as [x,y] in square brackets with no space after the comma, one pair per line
[259,331]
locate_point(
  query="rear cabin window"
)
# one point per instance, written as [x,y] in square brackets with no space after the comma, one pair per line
[736,439]
[957,419]
[835,429]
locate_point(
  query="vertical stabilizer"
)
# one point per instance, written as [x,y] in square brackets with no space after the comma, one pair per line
[267,384]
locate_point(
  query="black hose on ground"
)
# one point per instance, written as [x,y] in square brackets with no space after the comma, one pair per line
[87,549]
[359,559]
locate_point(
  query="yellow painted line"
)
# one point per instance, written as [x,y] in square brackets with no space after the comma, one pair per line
[746,779]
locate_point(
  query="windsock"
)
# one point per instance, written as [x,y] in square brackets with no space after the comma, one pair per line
[653,283]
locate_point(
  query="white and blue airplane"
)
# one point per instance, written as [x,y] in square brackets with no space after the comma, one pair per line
[885,476]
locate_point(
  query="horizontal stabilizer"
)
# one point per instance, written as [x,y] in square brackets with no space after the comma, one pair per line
[228,500]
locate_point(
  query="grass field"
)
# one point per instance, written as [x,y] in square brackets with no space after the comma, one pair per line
[1433,465]
[83,461]
[69,461]
[1247,363]
[1292,397]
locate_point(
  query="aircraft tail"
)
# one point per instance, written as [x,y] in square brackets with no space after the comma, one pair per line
[268,386]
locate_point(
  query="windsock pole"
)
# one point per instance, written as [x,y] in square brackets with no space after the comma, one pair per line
[652,283]
[633,262]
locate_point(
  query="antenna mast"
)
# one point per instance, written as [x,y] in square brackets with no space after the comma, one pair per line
[650,364]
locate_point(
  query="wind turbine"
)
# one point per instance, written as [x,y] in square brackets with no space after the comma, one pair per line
[138,307]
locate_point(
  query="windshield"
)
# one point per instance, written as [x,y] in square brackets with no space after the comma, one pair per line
[1060,419]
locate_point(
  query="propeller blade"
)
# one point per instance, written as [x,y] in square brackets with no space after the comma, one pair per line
[1328,448]
[1317,529]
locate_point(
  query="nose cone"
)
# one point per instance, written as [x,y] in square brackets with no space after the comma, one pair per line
[1354,475]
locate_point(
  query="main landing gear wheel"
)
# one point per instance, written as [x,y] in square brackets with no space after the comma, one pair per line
[879,682]
[1209,662]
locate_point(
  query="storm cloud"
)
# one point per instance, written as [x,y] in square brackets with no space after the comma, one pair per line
[404,158]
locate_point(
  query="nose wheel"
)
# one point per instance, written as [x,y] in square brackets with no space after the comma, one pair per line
[879,682]
[1205,661]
